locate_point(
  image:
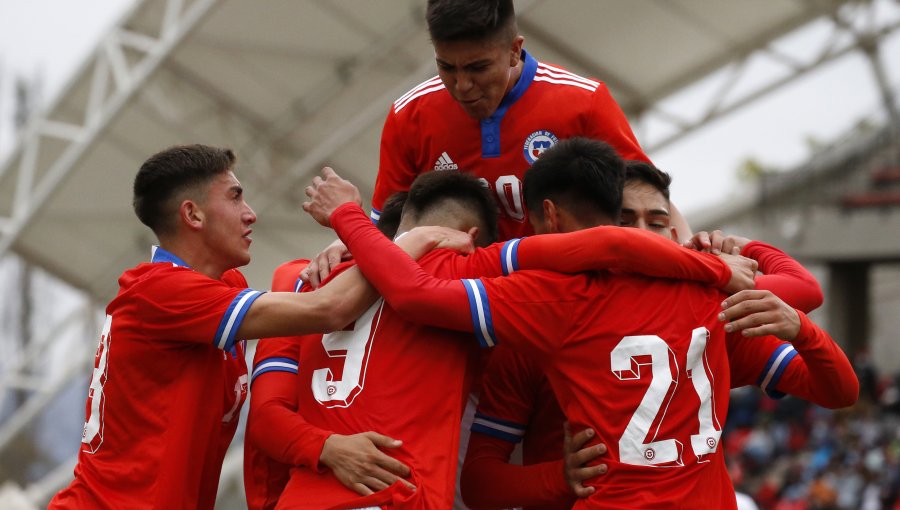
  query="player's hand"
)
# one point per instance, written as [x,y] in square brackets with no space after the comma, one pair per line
[758,313]
[576,456]
[421,240]
[717,242]
[358,462]
[327,193]
[743,272]
[320,267]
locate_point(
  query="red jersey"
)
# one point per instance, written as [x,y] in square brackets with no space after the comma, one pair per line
[153,437]
[265,477]
[517,403]
[641,361]
[397,378]
[427,130]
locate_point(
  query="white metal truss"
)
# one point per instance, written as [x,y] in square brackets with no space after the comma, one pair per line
[857,20]
[113,82]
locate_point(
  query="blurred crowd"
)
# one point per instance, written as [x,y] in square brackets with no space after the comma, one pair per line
[791,455]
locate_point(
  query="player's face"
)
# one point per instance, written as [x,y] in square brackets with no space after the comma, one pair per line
[644,207]
[478,73]
[227,220]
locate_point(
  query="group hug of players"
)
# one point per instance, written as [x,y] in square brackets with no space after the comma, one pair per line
[622,337]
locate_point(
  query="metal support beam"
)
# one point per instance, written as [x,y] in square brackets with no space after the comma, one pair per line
[720,106]
[103,108]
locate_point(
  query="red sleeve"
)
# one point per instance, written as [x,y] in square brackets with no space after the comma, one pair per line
[784,277]
[505,409]
[624,249]
[483,262]
[396,171]
[489,481]
[203,310]
[412,292]
[750,358]
[821,373]
[607,122]
[277,429]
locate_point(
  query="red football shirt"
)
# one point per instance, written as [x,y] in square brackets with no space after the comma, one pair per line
[640,361]
[397,378]
[427,130]
[153,436]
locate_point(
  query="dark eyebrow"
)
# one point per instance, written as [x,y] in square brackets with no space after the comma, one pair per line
[659,212]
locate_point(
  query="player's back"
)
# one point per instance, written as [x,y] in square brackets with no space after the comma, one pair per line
[655,358]
[397,378]
[643,363]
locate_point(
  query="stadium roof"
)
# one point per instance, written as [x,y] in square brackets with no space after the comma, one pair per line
[293,85]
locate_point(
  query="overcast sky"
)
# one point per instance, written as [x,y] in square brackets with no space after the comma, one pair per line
[48,39]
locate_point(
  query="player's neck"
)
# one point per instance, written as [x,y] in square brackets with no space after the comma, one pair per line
[195,255]
[514,74]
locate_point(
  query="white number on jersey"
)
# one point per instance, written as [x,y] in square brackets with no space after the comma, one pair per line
[354,346]
[628,360]
[92,434]
[509,194]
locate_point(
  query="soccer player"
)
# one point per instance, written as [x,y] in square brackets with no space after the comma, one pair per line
[652,380]
[274,424]
[517,403]
[169,376]
[491,111]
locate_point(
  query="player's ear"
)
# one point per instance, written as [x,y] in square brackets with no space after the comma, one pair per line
[190,213]
[516,51]
[551,216]
[674,232]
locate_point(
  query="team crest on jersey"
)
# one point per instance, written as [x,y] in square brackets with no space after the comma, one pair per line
[537,143]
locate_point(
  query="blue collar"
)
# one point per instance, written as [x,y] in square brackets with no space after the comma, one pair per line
[490,127]
[159,254]
[528,71]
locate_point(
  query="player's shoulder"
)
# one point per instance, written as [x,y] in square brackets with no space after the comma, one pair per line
[163,273]
[425,94]
[287,275]
[558,79]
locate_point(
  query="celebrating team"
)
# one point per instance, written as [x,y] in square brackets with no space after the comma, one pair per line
[364,369]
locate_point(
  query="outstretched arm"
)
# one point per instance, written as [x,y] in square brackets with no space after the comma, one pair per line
[785,277]
[629,250]
[819,370]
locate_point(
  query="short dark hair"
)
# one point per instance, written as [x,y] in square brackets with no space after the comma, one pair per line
[642,171]
[585,176]
[470,20]
[389,221]
[431,189]
[169,173]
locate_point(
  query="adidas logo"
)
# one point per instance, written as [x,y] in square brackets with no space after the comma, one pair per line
[445,163]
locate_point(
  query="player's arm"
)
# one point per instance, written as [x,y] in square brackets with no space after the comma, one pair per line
[785,277]
[346,297]
[782,275]
[489,481]
[396,172]
[813,367]
[329,308]
[274,426]
[628,250]
[510,389]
